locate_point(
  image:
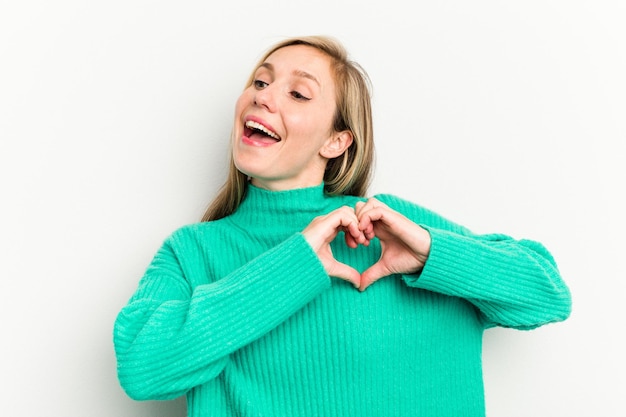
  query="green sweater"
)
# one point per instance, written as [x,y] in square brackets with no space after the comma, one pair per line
[239,315]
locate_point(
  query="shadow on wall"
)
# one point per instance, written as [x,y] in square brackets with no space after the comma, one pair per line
[174,408]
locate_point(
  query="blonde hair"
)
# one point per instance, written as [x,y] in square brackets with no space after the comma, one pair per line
[348,174]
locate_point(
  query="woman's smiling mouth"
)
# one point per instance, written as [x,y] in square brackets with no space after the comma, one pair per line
[258,134]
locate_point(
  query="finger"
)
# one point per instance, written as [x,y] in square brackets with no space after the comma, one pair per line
[383,217]
[369,203]
[350,225]
[372,274]
[371,214]
[350,241]
[345,272]
[368,229]
[369,208]
[367,220]
[365,223]
[358,207]
[323,229]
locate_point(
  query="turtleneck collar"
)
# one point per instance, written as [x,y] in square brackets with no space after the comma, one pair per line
[277,209]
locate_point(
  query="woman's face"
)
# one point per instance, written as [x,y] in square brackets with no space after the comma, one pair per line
[283,121]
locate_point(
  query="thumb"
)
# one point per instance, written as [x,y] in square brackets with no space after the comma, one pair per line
[372,274]
[345,272]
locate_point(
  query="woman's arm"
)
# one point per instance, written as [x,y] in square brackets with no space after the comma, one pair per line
[513,283]
[170,337]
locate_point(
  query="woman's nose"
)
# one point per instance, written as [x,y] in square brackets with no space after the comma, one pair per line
[265,98]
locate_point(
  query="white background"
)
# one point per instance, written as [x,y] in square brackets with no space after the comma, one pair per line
[114,119]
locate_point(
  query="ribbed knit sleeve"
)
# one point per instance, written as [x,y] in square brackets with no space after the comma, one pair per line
[513,283]
[170,337]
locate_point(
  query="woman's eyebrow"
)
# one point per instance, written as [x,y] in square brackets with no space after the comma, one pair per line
[297,73]
[304,74]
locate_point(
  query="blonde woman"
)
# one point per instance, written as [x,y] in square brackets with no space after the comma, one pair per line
[299,296]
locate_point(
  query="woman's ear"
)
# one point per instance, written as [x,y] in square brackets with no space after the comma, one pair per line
[337,144]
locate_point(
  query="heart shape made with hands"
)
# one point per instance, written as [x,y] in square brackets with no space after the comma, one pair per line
[404,244]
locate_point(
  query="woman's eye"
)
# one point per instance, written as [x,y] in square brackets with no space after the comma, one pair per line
[259,84]
[299,96]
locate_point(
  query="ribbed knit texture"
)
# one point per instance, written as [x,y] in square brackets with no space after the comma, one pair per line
[240,315]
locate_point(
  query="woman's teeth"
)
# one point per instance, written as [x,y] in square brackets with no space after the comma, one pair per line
[258,126]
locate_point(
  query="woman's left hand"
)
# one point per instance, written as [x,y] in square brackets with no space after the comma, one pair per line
[405,245]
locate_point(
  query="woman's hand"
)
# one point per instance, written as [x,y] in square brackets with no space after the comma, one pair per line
[323,229]
[405,245]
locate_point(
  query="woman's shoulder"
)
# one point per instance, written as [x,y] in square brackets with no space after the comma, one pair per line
[401,204]
[419,213]
[195,231]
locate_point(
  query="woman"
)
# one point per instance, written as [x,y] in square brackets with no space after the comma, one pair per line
[297,296]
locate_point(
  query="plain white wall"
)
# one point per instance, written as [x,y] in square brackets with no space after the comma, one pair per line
[114,116]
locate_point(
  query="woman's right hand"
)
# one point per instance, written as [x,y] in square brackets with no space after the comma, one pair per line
[323,229]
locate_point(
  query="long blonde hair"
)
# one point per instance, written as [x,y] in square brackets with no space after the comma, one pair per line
[348,174]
